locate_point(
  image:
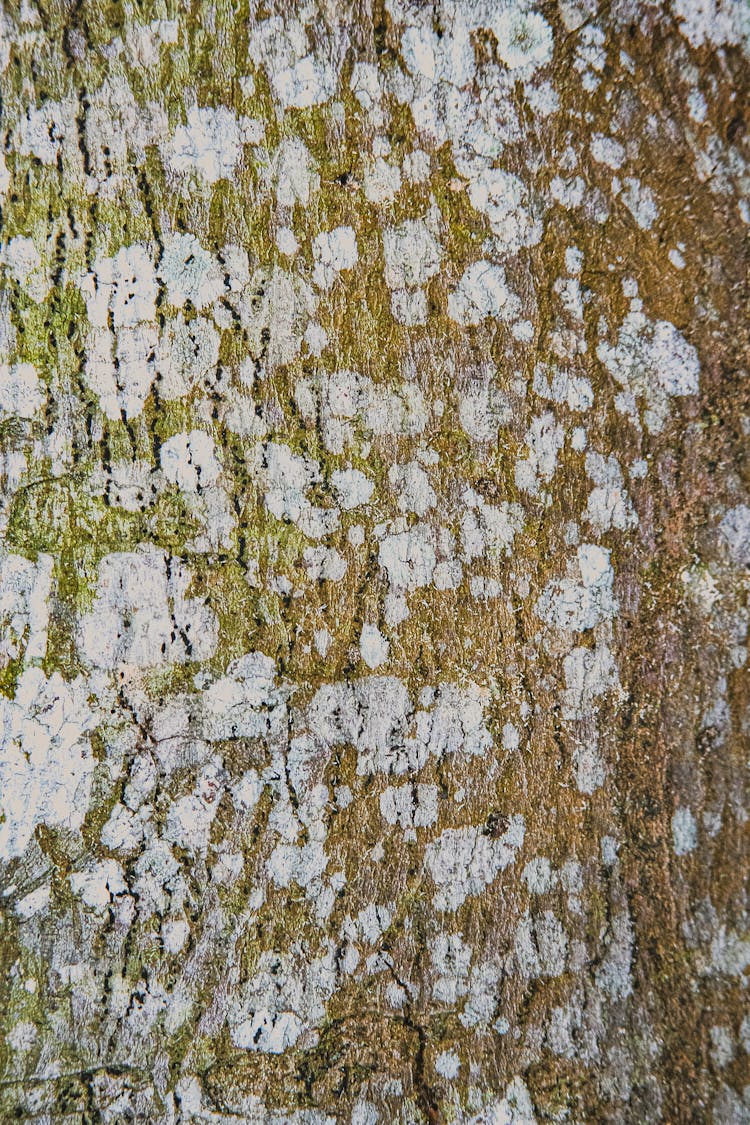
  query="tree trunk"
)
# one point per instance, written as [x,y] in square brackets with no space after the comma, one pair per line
[374,548]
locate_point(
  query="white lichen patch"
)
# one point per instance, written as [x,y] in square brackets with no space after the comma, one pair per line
[504,199]
[590,674]
[288,478]
[541,945]
[347,405]
[483,408]
[463,861]
[296,180]
[585,598]
[189,461]
[412,257]
[122,369]
[209,146]
[24,606]
[607,150]
[334,251]
[299,77]
[712,22]
[143,615]
[21,391]
[482,292]
[544,440]
[352,488]
[609,505]
[652,361]
[564,387]
[412,486]
[524,39]
[99,883]
[410,806]
[21,257]
[589,769]
[639,200]
[684,831]
[47,764]
[247,702]
[190,352]
[375,715]
[373,646]
[447,1064]
[43,129]
[286,996]
[124,286]
[409,558]
[189,272]
[488,529]
[735,530]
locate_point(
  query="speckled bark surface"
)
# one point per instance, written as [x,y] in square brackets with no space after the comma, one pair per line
[374,547]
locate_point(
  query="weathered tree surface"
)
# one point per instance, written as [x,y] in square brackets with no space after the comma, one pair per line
[374,555]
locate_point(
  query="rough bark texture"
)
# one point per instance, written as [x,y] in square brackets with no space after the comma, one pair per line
[374,556]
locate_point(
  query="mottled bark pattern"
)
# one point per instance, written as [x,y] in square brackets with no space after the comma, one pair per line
[374,548]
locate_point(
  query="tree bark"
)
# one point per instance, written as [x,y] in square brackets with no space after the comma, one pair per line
[374,548]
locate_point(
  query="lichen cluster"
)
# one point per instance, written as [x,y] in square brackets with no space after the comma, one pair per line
[374,550]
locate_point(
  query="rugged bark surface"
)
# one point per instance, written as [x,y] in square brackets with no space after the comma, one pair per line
[375,542]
